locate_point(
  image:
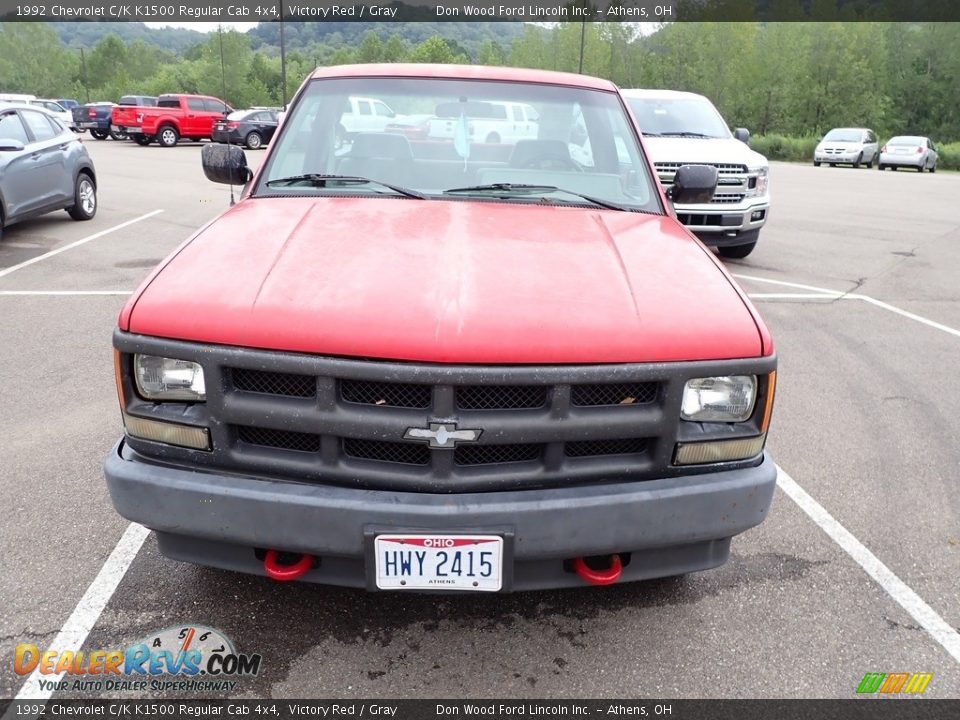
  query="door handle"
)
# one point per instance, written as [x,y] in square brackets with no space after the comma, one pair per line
[35,156]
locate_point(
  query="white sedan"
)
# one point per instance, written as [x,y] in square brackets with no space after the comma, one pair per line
[911,151]
[57,110]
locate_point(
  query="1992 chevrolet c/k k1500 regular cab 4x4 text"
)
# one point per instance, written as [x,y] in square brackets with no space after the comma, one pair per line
[446,364]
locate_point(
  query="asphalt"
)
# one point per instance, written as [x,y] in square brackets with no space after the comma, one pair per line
[865,422]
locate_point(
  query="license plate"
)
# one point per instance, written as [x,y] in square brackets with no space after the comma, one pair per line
[901,151]
[439,562]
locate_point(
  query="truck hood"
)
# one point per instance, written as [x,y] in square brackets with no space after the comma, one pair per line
[702,150]
[447,281]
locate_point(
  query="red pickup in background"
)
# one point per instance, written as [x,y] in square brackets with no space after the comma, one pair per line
[176,117]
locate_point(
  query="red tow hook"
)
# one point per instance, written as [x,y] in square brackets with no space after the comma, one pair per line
[598,577]
[286,573]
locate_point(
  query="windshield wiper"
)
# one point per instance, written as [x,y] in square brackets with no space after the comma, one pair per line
[319,180]
[525,189]
[688,135]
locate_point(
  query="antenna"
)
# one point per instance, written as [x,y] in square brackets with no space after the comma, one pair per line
[223,81]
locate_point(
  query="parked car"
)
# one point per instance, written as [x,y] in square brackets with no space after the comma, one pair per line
[399,369]
[914,151]
[43,167]
[847,146]
[68,103]
[486,121]
[57,110]
[682,127]
[95,117]
[190,117]
[253,128]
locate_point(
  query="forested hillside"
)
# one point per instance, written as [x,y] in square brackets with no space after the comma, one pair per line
[793,78]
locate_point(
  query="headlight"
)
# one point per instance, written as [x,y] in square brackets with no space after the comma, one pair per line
[160,378]
[762,181]
[719,399]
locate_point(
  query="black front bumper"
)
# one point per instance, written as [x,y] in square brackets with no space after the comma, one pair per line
[665,527]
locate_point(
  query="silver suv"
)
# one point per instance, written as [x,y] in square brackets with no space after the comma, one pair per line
[43,167]
[847,146]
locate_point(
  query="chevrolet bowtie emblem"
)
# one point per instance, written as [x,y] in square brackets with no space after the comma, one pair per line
[442,435]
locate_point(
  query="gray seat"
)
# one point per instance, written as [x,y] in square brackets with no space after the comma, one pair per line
[379,156]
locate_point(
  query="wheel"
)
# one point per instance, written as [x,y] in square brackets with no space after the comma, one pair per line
[933,168]
[881,167]
[737,252]
[919,168]
[168,136]
[833,164]
[872,158]
[141,139]
[856,163]
[816,163]
[100,134]
[493,138]
[84,198]
[254,141]
[119,135]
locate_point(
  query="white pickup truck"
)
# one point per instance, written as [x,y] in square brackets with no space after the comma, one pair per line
[681,128]
[487,121]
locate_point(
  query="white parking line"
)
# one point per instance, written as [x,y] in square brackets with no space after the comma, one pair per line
[936,626]
[77,243]
[88,610]
[66,292]
[840,295]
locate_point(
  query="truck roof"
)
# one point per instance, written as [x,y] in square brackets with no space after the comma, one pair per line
[464,72]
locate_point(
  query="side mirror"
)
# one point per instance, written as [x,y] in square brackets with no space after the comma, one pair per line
[694,184]
[10,145]
[225,164]
[742,134]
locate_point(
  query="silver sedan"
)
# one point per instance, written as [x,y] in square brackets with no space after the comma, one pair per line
[912,151]
[43,167]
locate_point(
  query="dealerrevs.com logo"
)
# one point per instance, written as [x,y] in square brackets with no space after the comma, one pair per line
[178,658]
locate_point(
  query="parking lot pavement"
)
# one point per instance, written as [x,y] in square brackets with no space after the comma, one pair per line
[865,423]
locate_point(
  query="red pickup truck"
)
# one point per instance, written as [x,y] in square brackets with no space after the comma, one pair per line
[174,118]
[446,365]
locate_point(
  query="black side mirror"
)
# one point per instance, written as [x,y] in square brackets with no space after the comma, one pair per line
[10,145]
[225,164]
[742,134]
[694,184]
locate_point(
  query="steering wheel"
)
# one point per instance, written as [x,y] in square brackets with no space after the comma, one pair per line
[551,162]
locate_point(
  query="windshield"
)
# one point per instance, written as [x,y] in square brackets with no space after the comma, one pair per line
[678,116]
[488,139]
[842,135]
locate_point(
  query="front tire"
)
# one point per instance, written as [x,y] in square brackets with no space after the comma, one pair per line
[254,141]
[141,139]
[816,163]
[100,134]
[738,252]
[933,168]
[118,136]
[167,136]
[84,198]
[856,163]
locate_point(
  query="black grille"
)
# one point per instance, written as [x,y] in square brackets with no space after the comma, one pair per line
[618,394]
[501,397]
[595,448]
[402,395]
[282,439]
[382,451]
[274,383]
[496,454]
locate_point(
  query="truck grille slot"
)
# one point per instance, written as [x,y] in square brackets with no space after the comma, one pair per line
[501,397]
[386,394]
[496,454]
[387,452]
[280,439]
[615,394]
[597,448]
[722,168]
[274,383]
